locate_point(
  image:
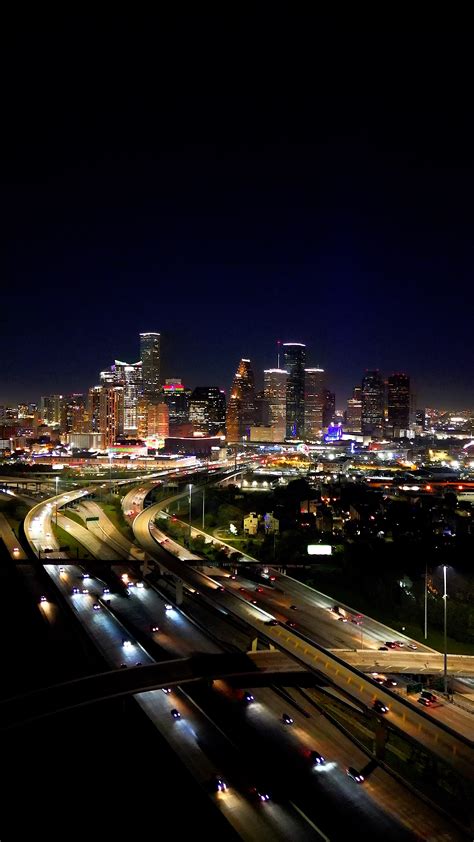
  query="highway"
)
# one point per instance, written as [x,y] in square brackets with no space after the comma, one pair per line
[403,715]
[10,540]
[198,743]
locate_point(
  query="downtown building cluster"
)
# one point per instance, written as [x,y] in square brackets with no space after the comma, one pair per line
[134,406]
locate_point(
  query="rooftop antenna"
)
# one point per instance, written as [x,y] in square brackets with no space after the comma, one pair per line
[278,352]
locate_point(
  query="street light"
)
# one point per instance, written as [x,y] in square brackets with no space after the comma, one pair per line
[56,479]
[445,597]
[426,601]
[110,472]
[190,506]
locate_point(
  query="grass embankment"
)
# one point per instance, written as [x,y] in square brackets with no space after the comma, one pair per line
[74,548]
[115,515]
[73,516]
[14,510]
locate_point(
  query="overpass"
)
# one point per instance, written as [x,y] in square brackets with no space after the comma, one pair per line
[410,663]
[117,683]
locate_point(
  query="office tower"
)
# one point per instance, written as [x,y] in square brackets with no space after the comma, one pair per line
[295,355]
[74,417]
[158,420]
[262,409]
[399,402]
[274,389]
[420,418]
[176,398]
[241,406]
[129,376]
[329,408]
[93,408]
[373,392]
[143,405]
[51,409]
[111,413]
[150,356]
[207,410]
[314,403]
[354,411]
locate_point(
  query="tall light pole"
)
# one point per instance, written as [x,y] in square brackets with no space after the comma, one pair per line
[203,506]
[426,601]
[445,597]
[56,479]
[190,507]
[110,472]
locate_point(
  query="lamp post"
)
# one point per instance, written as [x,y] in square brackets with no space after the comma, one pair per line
[110,472]
[426,601]
[190,507]
[203,506]
[445,597]
[56,479]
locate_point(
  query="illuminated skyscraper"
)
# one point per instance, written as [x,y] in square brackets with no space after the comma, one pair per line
[314,401]
[398,402]
[176,398]
[295,356]
[150,356]
[354,411]
[111,413]
[274,387]
[241,406]
[373,391]
[129,376]
[207,410]
[51,409]
[158,420]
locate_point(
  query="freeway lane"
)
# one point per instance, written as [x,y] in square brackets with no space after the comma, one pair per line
[189,736]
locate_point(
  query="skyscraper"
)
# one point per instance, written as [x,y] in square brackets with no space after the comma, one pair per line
[373,392]
[207,410]
[398,401]
[51,409]
[241,406]
[274,388]
[295,355]
[354,411]
[111,413]
[150,356]
[176,398]
[314,402]
[129,376]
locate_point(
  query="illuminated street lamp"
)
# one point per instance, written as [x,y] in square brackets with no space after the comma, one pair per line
[190,506]
[110,472]
[445,598]
[56,479]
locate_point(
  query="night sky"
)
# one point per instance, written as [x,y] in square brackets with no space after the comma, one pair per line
[307,188]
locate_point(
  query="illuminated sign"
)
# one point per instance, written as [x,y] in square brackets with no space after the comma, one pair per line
[319,549]
[172,387]
[334,433]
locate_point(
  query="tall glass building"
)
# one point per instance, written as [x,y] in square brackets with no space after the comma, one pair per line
[274,388]
[150,356]
[295,358]
[241,406]
[373,401]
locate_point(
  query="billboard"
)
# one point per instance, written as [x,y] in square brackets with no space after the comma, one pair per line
[319,549]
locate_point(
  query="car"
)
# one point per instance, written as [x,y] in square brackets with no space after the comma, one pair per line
[291,624]
[154,628]
[294,607]
[61,570]
[123,666]
[75,590]
[175,713]
[140,585]
[96,606]
[427,694]
[106,590]
[356,620]
[424,701]
[139,664]
[219,783]
[412,646]
[85,576]
[249,697]
[380,679]
[242,590]
[260,794]
[15,551]
[390,682]
[168,607]
[383,648]
[380,707]
[392,644]
[286,718]
[254,602]
[355,775]
[127,644]
[317,759]
[221,589]
[85,590]
[272,622]
[166,690]
[259,590]
[43,598]
[342,619]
